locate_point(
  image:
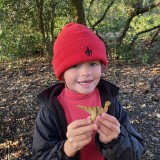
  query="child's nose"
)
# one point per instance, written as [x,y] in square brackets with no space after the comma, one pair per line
[85,71]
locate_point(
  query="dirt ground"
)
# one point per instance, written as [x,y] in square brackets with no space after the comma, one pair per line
[22,80]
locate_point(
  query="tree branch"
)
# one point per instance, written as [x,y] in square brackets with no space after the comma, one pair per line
[136,36]
[103,16]
[91,2]
[136,12]
[155,35]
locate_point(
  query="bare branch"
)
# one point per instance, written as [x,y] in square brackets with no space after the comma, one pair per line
[136,12]
[136,36]
[155,35]
[103,16]
[91,2]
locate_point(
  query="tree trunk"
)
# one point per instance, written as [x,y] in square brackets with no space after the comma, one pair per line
[40,16]
[77,11]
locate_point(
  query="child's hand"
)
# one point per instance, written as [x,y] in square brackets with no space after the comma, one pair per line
[108,127]
[79,134]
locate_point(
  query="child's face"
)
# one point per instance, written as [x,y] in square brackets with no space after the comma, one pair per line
[84,77]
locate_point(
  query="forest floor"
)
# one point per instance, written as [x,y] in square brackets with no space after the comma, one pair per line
[22,80]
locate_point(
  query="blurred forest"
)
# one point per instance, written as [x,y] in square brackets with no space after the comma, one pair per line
[130,30]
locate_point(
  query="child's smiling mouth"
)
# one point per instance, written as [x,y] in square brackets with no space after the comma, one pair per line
[85,82]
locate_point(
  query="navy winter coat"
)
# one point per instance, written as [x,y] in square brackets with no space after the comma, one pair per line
[51,127]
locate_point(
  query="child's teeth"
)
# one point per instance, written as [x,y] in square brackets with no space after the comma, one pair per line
[84,82]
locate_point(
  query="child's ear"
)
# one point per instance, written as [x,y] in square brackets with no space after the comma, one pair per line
[103,75]
[102,68]
[62,79]
[103,71]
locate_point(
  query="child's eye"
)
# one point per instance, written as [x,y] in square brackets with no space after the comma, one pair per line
[93,64]
[75,66]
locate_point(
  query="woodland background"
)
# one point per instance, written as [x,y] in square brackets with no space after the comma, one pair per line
[129,28]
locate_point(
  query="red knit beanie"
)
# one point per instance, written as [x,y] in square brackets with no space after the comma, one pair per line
[76,44]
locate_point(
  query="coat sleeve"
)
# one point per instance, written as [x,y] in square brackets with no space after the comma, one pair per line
[129,144]
[47,142]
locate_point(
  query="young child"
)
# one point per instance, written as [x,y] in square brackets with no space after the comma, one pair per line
[63,130]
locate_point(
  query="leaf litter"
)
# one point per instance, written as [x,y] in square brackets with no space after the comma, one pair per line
[23,79]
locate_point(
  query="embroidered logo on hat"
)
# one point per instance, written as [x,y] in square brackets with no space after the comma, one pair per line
[88,51]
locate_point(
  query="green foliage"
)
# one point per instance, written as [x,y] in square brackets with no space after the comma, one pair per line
[19,36]
[115,21]
[22,33]
[27,26]
[19,42]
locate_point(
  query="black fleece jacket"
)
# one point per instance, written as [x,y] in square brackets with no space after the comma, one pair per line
[51,127]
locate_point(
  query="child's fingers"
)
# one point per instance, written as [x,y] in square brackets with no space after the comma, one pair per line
[80,127]
[110,118]
[81,130]
[79,123]
[81,137]
[108,127]
[104,129]
[77,145]
[105,138]
[80,133]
